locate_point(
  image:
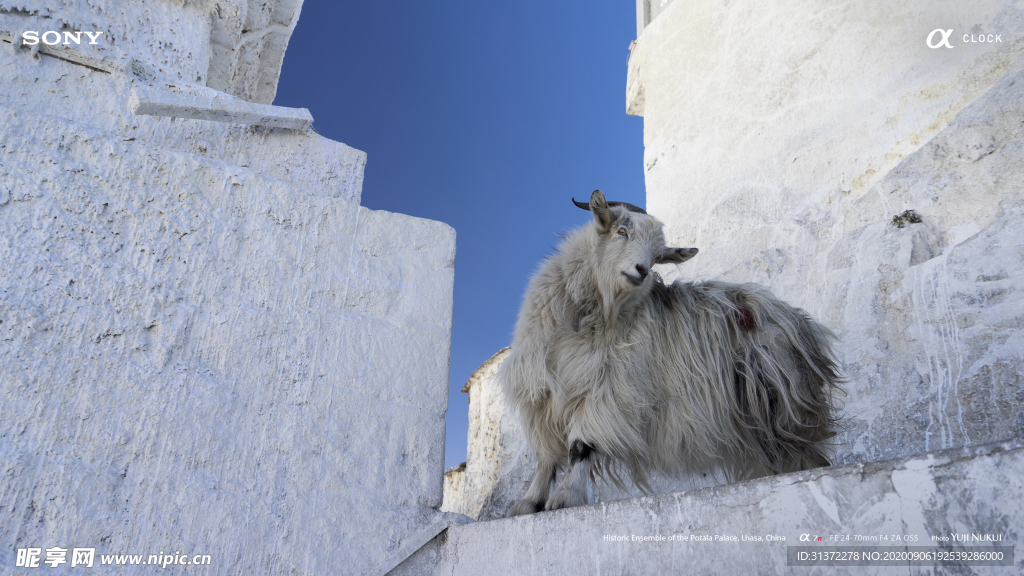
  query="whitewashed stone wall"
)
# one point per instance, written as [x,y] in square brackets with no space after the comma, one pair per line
[206,344]
[783,140]
[499,465]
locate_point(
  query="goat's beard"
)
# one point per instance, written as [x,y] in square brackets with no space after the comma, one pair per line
[623,298]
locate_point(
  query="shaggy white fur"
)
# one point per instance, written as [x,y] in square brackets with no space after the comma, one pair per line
[613,371]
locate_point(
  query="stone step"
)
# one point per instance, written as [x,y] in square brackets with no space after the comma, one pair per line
[277,143]
[975,493]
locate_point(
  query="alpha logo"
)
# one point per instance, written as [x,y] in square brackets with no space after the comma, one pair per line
[943,42]
[53,38]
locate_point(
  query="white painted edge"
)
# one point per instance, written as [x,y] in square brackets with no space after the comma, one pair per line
[635,93]
[156,102]
[418,539]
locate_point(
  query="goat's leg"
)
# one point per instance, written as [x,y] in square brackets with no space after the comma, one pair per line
[573,491]
[537,494]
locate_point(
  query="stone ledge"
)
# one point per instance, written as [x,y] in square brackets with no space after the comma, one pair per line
[973,490]
[424,537]
[151,102]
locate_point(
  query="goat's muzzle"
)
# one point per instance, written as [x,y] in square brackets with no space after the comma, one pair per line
[634,280]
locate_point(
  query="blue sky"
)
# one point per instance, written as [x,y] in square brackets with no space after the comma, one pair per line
[488,116]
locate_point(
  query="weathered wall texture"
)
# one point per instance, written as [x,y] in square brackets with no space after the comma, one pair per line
[783,141]
[206,344]
[499,465]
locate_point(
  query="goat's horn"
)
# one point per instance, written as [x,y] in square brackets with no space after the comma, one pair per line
[583,205]
[626,205]
[629,207]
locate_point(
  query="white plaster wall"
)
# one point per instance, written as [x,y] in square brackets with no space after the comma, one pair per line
[206,344]
[499,464]
[783,140]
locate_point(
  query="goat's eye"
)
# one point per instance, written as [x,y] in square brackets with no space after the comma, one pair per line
[622,232]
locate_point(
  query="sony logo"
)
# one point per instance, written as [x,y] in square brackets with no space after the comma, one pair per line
[52,37]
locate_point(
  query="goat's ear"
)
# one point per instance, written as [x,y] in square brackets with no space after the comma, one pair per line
[599,208]
[676,255]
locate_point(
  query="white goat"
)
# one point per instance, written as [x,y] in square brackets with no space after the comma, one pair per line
[610,367]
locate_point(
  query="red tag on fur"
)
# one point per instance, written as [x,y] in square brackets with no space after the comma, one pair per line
[745,319]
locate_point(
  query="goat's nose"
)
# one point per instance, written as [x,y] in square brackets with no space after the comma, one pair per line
[643,270]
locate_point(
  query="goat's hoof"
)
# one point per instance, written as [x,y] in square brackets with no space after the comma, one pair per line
[566,499]
[525,507]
